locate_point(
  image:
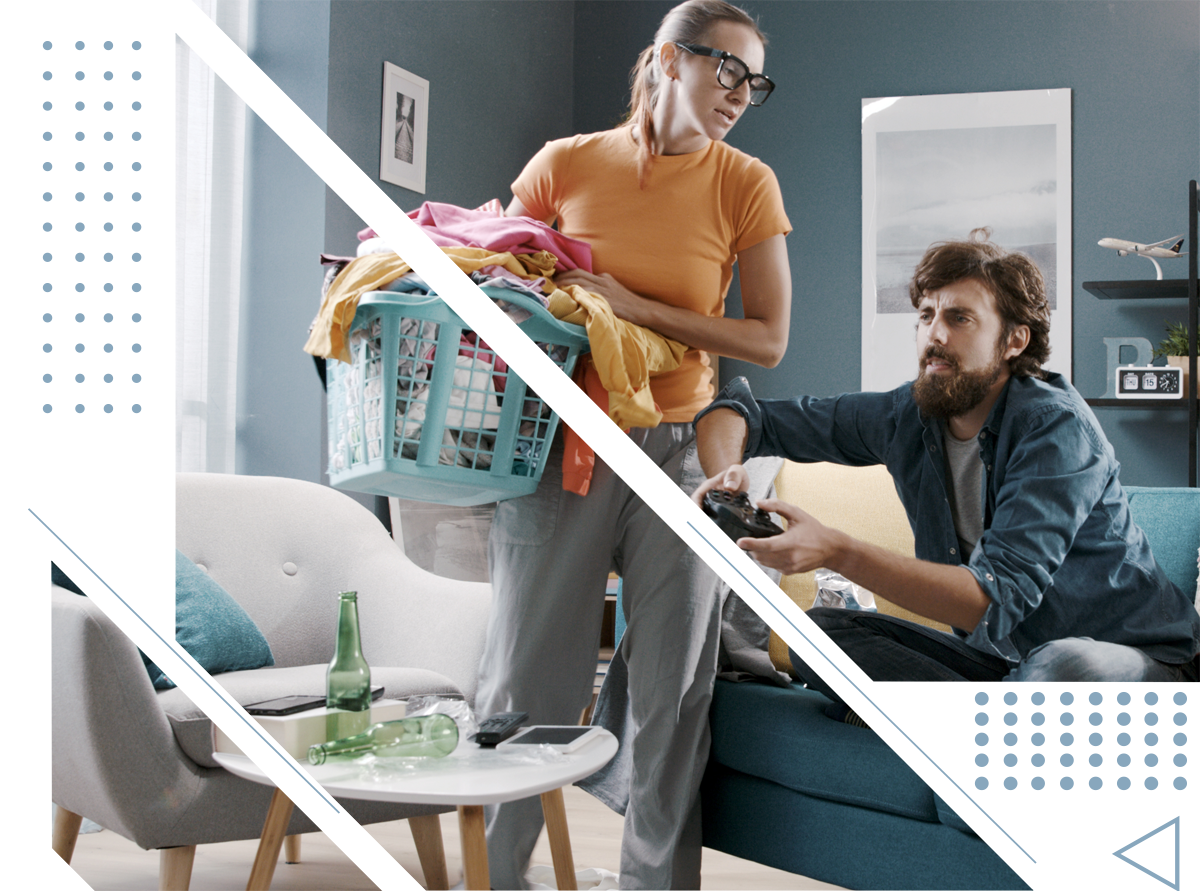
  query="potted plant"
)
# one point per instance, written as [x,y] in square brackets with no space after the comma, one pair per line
[1175,348]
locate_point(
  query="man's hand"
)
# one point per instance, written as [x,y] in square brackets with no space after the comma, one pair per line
[733,479]
[937,591]
[807,544]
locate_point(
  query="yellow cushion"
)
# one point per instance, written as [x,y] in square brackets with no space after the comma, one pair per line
[860,501]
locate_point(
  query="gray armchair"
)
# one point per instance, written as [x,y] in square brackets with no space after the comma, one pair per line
[139,761]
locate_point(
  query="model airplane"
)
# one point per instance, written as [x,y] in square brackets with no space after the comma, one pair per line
[1149,251]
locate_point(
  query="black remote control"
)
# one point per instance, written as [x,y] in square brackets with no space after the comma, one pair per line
[737,517]
[499,727]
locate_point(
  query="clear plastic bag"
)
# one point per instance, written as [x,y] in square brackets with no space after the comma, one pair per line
[837,591]
[455,707]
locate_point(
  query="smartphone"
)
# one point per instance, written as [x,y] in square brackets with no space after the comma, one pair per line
[285,705]
[565,738]
[290,705]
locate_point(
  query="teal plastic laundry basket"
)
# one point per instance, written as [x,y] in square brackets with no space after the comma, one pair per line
[427,412]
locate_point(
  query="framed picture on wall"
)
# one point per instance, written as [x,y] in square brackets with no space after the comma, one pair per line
[405,128]
[937,167]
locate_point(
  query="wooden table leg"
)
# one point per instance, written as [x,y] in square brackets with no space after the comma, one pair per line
[427,836]
[555,811]
[274,830]
[474,848]
[66,832]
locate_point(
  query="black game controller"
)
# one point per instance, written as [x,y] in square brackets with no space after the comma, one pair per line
[737,517]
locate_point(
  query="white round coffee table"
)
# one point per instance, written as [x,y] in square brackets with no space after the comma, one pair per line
[468,778]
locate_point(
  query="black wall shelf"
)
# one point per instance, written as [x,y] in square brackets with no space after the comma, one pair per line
[1138,403]
[1169,289]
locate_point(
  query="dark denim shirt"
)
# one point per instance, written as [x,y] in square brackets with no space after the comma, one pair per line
[1060,555]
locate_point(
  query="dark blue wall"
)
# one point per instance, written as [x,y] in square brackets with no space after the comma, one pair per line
[499,86]
[507,76]
[1133,67]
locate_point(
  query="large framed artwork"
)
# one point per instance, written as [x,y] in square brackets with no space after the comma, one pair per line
[405,128]
[937,167]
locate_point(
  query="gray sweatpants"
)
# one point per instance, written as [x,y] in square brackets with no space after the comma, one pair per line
[549,556]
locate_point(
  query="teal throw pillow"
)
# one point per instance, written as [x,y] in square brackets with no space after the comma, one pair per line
[211,626]
[60,578]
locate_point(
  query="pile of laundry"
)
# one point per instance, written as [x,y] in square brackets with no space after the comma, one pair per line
[505,256]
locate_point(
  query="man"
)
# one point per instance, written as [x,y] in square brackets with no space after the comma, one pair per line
[1024,541]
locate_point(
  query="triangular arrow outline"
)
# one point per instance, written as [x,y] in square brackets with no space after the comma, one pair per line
[1121,854]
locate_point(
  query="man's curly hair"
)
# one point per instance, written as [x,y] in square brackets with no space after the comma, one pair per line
[1012,278]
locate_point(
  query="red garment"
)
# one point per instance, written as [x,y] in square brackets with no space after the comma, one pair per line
[579,460]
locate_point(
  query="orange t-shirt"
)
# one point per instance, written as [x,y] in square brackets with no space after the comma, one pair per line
[674,241]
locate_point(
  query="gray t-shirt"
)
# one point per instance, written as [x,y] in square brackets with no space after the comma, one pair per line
[964,479]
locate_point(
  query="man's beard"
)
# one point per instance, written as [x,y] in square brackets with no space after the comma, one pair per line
[949,395]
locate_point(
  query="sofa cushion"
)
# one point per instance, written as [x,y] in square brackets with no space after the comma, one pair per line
[783,735]
[1170,517]
[193,728]
[949,817]
[211,626]
[851,847]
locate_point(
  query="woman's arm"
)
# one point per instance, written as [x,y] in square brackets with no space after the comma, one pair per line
[760,337]
[517,209]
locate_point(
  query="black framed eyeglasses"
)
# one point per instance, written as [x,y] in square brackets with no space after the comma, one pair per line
[733,72]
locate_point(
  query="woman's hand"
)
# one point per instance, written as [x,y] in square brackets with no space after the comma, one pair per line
[625,304]
[733,479]
[760,336]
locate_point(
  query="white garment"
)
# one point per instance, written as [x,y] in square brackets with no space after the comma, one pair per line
[542,878]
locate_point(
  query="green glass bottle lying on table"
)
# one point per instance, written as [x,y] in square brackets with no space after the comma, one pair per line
[429,736]
[348,680]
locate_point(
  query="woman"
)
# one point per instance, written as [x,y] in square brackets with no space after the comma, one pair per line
[667,208]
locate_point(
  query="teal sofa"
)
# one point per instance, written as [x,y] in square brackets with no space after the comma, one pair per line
[790,788]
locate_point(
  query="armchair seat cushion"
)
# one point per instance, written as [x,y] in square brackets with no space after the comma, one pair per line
[783,735]
[193,729]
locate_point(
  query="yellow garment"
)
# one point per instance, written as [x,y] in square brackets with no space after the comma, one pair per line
[370,273]
[625,355]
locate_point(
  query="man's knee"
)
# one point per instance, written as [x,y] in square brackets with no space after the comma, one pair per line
[1081,659]
[832,619]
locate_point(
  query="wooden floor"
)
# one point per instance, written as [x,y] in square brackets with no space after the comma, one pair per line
[109,862]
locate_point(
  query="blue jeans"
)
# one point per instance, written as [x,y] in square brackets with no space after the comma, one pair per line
[891,649]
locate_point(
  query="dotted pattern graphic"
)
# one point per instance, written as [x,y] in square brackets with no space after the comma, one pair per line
[92,294]
[1027,739]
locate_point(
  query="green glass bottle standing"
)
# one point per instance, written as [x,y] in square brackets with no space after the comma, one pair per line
[348,680]
[429,736]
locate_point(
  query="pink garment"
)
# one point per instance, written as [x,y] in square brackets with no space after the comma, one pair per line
[451,226]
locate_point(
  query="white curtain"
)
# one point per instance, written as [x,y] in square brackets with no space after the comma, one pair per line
[210,131]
